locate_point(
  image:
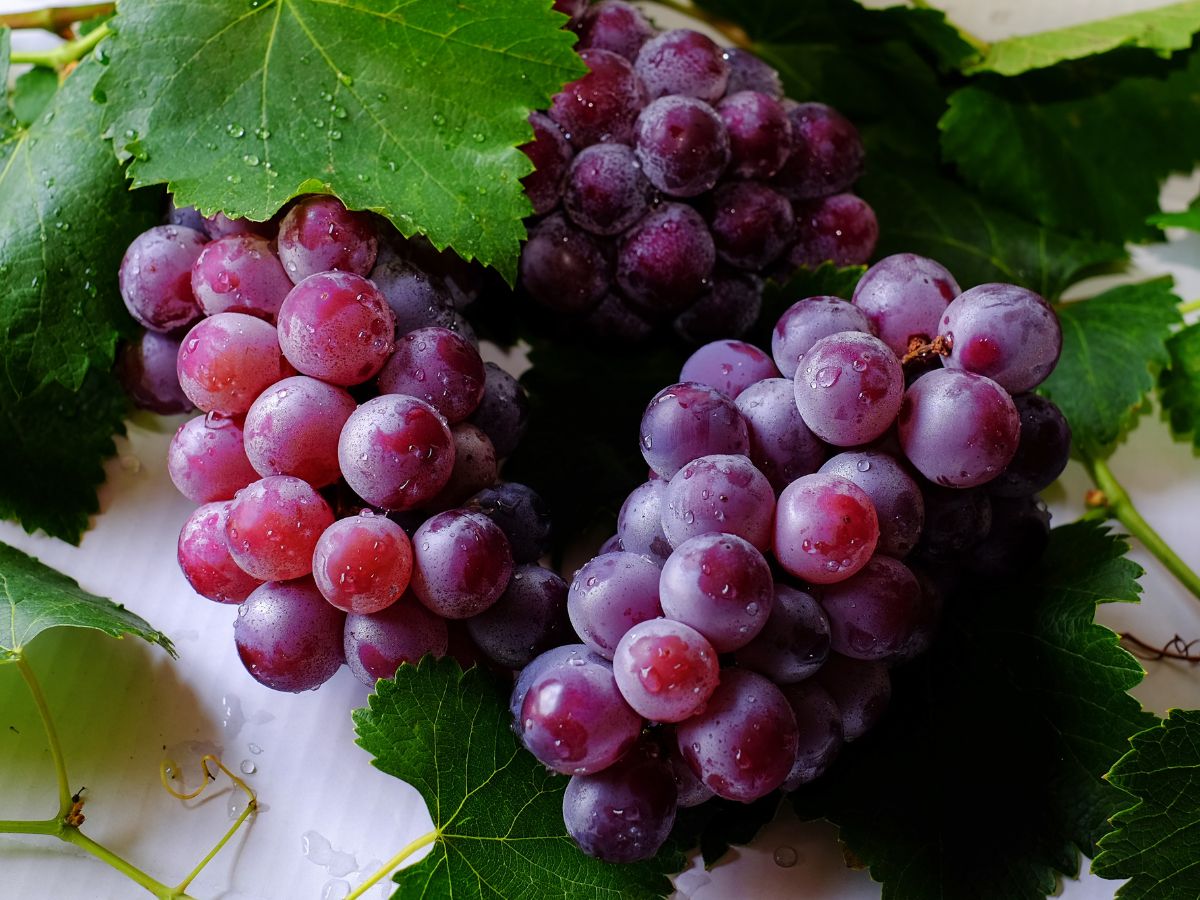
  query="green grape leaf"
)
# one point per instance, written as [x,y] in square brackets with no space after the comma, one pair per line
[718,824]
[1112,343]
[1188,218]
[1163,30]
[985,778]
[498,812]
[1179,384]
[1156,842]
[40,598]
[31,94]
[412,110]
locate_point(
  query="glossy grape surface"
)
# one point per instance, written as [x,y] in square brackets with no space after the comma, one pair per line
[319,234]
[664,261]
[682,62]
[897,499]
[437,366]
[849,387]
[602,105]
[825,528]
[375,645]
[686,421]
[362,564]
[146,369]
[204,558]
[794,644]
[227,360]
[806,322]
[904,296]
[273,527]
[529,618]
[781,446]
[665,670]
[293,429]
[609,595]
[240,273]
[729,366]
[207,459]
[288,637]
[875,613]
[682,144]
[719,494]
[461,563]
[155,277]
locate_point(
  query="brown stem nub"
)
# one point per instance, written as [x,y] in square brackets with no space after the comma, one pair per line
[922,350]
[1175,648]
[56,18]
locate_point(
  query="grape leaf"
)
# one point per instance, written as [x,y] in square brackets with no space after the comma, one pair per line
[717,824]
[40,598]
[413,110]
[497,810]
[1111,343]
[1188,218]
[1017,711]
[32,92]
[1179,384]
[1156,842]
[1162,30]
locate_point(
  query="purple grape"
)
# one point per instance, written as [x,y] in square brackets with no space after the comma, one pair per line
[461,563]
[683,145]
[781,446]
[293,429]
[605,191]
[744,743]
[827,153]
[437,366]
[544,662]
[529,618]
[550,152]
[819,723]
[665,670]
[186,216]
[690,790]
[376,644]
[1042,451]
[219,225]
[396,452]
[207,459]
[615,26]
[760,133]
[686,421]
[273,527]
[682,62]
[728,366]
[288,637]
[572,8]
[613,320]
[156,277]
[418,299]
[319,234]
[1005,332]
[362,564]
[955,521]
[894,494]
[204,558]
[602,105]
[609,595]
[841,229]
[794,643]
[464,280]
[475,467]
[751,224]
[849,387]
[860,689]
[611,545]
[564,267]
[664,260]
[1018,537]
[146,369]
[749,73]
[227,360]
[503,412]
[729,307]
[240,273]
[806,322]
[958,428]
[874,613]
[825,528]
[521,514]
[639,524]
[904,296]
[720,585]
[723,494]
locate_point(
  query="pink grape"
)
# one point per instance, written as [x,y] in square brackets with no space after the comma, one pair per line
[461,563]
[690,790]
[609,595]
[806,322]
[219,225]
[904,296]
[319,234]
[240,273]
[288,637]
[293,429]
[362,564]
[729,366]
[377,643]
[207,459]
[849,387]
[544,662]
[896,497]
[155,277]
[825,528]
[227,360]
[274,525]
[665,670]
[437,366]
[639,524]
[204,557]
[719,493]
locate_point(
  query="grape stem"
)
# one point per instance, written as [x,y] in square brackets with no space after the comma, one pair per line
[65,54]
[1176,648]
[735,33]
[56,18]
[408,850]
[1120,507]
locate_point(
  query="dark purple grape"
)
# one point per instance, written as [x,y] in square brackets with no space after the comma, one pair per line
[146,369]
[375,645]
[806,322]
[571,8]
[665,670]
[683,62]
[417,298]
[293,429]
[240,273]
[955,521]
[819,722]
[319,234]
[616,26]
[273,527]
[288,637]
[760,133]
[551,153]
[564,267]
[875,613]
[728,308]
[465,280]
[204,558]
[825,528]
[206,459]
[605,190]
[719,493]
[609,595]
[639,524]
[683,145]
[156,277]
[729,366]
[503,413]
[751,224]
[860,689]
[893,492]
[794,643]
[529,618]
[690,790]
[461,563]
[602,105]
[187,216]
[781,446]
[521,514]
[475,467]
[219,225]
[437,366]
[664,261]
[749,73]
[616,321]
[1042,452]
[827,153]
[1018,537]
[686,421]
[841,229]
[904,296]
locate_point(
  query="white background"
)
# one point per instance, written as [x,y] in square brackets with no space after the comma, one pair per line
[122,706]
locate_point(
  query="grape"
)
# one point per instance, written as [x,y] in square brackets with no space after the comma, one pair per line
[806,322]
[461,563]
[751,224]
[849,387]
[293,429]
[550,152]
[1005,332]
[240,273]
[417,298]
[744,743]
[521,514]
[827,153]
[904,296]
[464,280]
[204,558]
[664,260]
[337,327]
[794,643]
[227,360]
[319,234]
[207,459]
[437,366]
[624,813]
[749,73]
[690,790]
[686,421]
[545,662]
[474,468]
[187,216]
[288,637]
[819,723]
[825,528]
[639,524]
[841,229]
[146,369]
[376,644]
[1018,537]
[219,225]
[615,26]
[614,320]
[1043,449]
[955,521]
[892,491]
[874,613]
[602,105]
[781,445]
[611,545]
[573,718]
[958,428]
[720,493]
[156,277]
[730,306]
[564,267]
[362,564]
[609,595]
[274,525]
[683,145]
[760,133]
[665,670]
[572,8]
[529,618]
[682,61]
[860,689]
[729,366]
[503,413]
[605,191]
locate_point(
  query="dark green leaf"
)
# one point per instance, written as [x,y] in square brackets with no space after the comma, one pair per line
[1156,843]
[412,110]
[1179,384]
[498,811]
[985,778]
[32,92]
[1188,218]
[717,824]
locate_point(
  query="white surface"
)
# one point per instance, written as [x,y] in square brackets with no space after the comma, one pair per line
[119,704]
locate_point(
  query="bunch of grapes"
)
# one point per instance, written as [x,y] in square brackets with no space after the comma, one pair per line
[674,176]
[346,450]
[807,512]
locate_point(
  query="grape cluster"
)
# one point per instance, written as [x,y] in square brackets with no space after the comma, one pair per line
[674,176]
[807,512]
[345,455]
